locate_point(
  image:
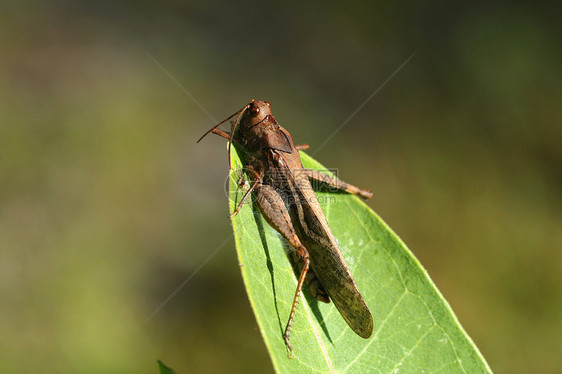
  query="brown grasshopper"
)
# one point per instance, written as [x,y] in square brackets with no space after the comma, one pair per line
[284,195]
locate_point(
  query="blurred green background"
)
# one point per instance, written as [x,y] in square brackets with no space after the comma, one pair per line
[107,204]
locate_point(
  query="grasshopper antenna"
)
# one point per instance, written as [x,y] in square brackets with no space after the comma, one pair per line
[239,112]
[220,123]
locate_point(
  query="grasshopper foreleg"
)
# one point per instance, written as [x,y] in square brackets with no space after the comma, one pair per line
[225,135]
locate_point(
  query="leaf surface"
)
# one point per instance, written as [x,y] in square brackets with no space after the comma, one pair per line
[415,330]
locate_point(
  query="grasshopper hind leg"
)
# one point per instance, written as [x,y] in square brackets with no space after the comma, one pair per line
[276,214]
[316,289]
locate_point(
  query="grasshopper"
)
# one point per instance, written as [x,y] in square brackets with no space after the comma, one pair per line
[284,195]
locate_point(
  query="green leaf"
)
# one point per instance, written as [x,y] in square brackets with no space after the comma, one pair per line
[164,369]
[415,330]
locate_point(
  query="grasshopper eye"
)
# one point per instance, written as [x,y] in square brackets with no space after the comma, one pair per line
[267,103]
[254,111]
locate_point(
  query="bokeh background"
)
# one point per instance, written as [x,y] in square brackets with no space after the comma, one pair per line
[107,204]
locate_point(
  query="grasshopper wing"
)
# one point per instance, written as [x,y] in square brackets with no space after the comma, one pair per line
[328,263]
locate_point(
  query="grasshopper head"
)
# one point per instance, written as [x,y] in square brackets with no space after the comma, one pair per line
[248,118]
[259,130]
[255,114]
